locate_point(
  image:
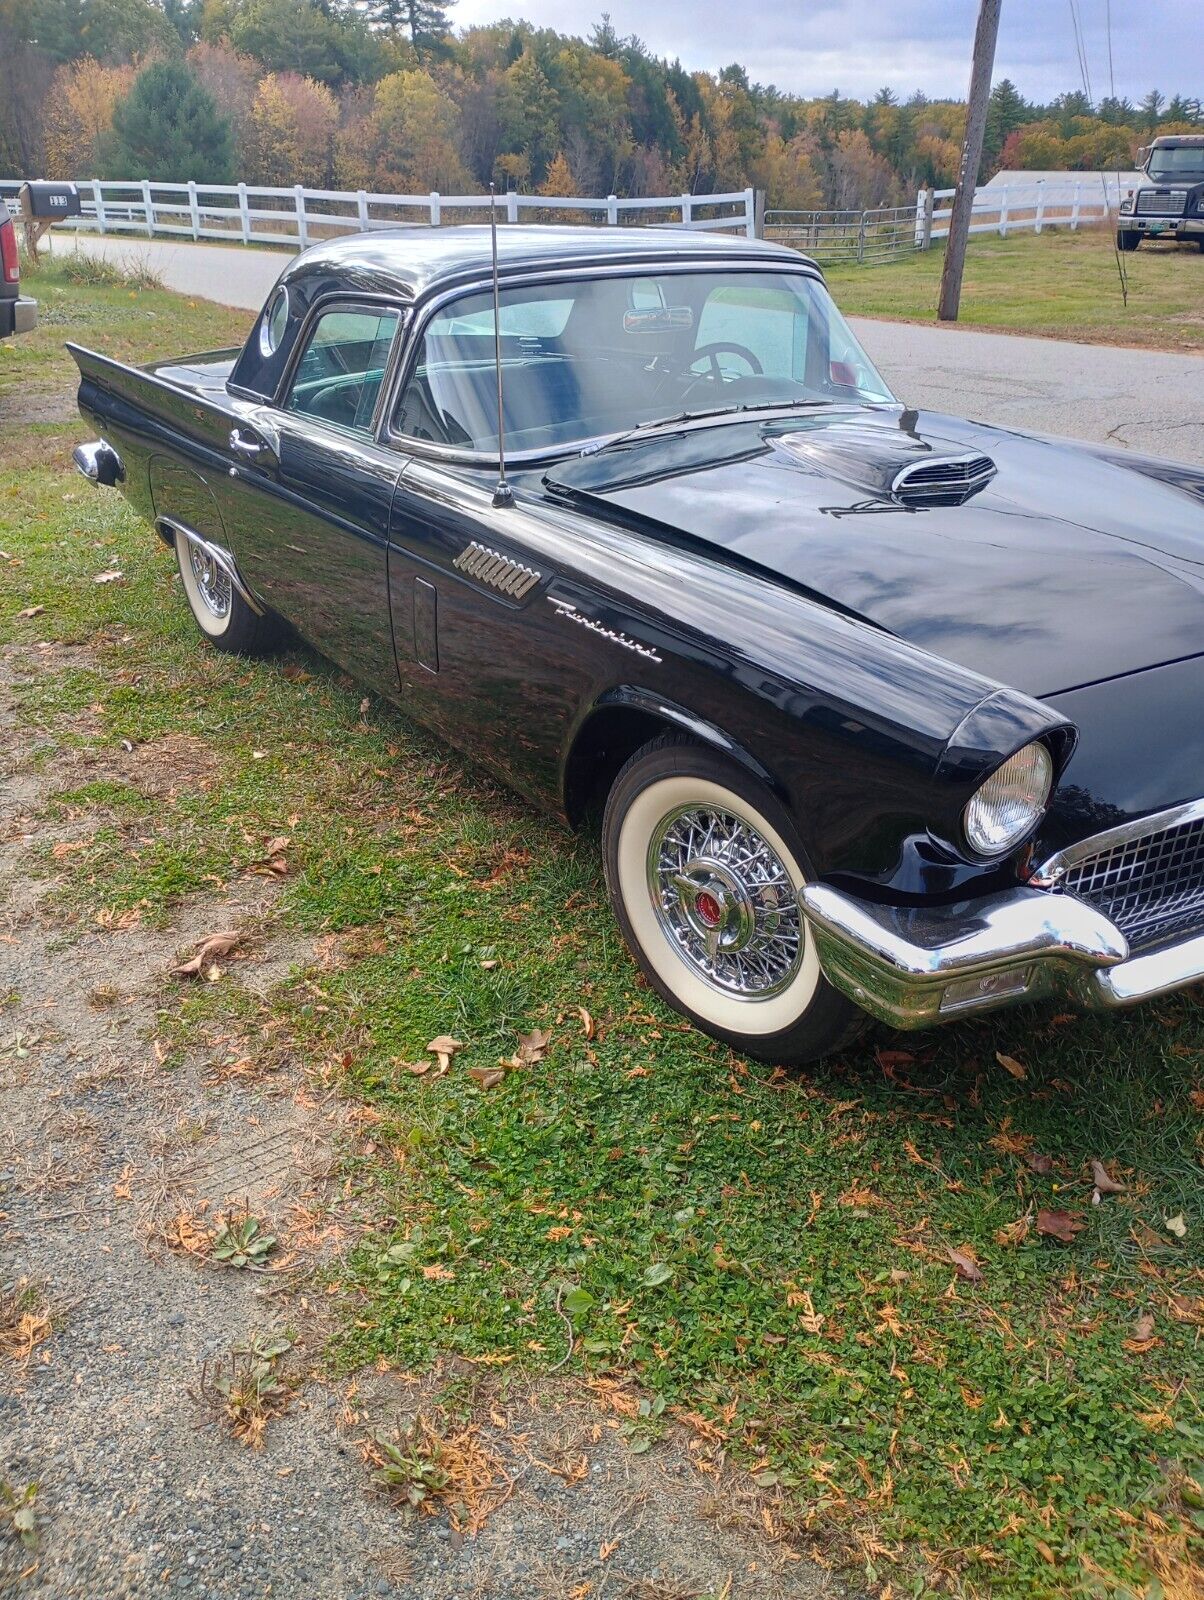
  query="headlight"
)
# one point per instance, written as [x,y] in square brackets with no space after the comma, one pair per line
[1126,205]
[1010,802]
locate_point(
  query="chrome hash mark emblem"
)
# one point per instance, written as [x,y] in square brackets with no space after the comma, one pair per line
[565,608]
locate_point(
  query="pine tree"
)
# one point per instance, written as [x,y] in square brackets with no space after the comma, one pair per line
[169,129]
[425,22]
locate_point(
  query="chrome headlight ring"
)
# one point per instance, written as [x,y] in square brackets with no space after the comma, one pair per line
[1008,805]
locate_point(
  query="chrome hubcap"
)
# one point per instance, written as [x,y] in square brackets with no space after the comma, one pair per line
[212,583]
[725,902]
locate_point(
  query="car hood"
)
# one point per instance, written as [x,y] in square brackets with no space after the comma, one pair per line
[1065,567]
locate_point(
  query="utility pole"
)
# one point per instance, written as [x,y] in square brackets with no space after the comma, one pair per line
[967,178]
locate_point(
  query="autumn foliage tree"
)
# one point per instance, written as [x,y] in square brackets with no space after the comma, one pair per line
[79,115]
[291,132]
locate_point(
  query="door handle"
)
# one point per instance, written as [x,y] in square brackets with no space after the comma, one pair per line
[249,449]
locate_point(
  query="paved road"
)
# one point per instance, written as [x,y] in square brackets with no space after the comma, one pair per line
[1140,399]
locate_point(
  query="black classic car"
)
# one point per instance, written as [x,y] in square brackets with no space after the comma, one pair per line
[883,711]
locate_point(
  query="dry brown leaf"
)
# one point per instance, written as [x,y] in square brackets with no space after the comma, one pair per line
[419,1067]
[121,1189]
[1104,1183]
[587,1022]
[1058,1225]
[967,1267]
[1010,1064]
[487,1077]
[1014,1233]
[443,1049]
[32,611]
[111,576]
[1041,1165]
[217,944]
[531,1046]
[773,1338]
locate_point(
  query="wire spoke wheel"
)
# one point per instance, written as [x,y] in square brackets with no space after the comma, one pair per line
[725,901]
[213,586]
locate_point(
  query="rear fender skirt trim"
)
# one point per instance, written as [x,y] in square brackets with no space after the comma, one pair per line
[167,529]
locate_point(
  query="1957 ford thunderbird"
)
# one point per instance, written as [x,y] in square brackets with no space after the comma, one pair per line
[884,712]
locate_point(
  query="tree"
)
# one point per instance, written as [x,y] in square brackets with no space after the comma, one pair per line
[111,31]
[1006,111]
[303,37]
[231,79]
[413,128]
[529,108]
[1150,109]
[79,115]
[424,22]
[167,128]
[291,132]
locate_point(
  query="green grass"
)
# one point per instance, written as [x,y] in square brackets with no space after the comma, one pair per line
[768,1254]
[1060,284]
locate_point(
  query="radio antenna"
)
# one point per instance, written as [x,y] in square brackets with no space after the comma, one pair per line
[501,495]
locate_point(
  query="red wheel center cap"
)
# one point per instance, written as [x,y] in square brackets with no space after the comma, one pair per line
[708,908]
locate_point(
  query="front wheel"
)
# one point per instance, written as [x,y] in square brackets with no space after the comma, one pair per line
[702,865]
[1128,238]
[219,611]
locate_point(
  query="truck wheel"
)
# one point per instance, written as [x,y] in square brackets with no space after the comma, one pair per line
[1127,238]
[703,869]
[219,611]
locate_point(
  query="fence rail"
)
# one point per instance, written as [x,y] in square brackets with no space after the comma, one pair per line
[834,237]
[297,217]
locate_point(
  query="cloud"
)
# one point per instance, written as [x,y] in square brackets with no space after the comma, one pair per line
[810,47]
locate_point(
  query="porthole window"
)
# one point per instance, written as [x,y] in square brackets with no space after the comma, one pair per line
[271,329]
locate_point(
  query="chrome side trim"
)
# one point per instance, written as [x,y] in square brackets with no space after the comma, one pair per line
[220,556]
[500,572]
[1050,873]
[566,609]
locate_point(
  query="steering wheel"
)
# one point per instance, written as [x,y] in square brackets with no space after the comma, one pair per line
[723,347]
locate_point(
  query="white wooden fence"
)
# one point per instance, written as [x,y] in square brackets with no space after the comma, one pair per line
[299,216]
[1012,208]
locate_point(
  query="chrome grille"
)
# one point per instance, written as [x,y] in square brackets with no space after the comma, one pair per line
[1150,203]
[1152,886]
[943,483]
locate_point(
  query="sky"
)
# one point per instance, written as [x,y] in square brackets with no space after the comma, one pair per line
[810,47]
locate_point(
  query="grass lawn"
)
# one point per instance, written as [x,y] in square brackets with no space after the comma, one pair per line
[840,1278]
[1060,284]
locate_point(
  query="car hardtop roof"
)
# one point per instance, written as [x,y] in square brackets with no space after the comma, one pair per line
[410,260]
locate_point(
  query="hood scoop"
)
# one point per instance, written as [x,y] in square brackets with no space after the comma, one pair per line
[890,462]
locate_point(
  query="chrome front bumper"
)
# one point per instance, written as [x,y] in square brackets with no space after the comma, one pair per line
[915,966]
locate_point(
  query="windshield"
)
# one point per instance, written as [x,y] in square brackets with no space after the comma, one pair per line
[598,356]
[1177,161]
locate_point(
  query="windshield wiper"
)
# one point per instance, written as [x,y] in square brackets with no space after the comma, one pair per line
[695,416]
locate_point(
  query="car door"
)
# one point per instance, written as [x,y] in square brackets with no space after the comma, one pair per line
[310,490]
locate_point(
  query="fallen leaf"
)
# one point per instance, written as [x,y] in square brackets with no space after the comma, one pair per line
[487,1077]
[1058,1225]
[121,1189]
[1041,1165]
[773,1338]
[32,611]
[531,1046]
[444,1048]
[587,1022]
[218,944]
[1014,1233]
[111,576]
[967,1266]
[1143,1337]
[1010,1064]
[1177,1226]
[1104,1183]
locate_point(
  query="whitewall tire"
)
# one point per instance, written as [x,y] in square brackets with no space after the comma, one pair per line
[218,610]
[703,870]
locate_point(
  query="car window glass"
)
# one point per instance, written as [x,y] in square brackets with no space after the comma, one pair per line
[341,369]
[598,356]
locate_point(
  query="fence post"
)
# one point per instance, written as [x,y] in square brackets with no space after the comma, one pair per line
[1003,212]
[244,213]
[99,195]
[759,198]
[302,232]
[436,210]
[750,214]
[194,209]
[1040,217]
[612,210]
[1074,215]
[927,203]
[861,238]
[687,208]
[511,205]
[361,200]
[150,209]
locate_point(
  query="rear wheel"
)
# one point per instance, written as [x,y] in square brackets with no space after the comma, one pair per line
[1127,238]
[703,869]
[219,611]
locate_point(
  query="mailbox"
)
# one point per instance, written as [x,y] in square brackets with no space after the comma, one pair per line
[49,202]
